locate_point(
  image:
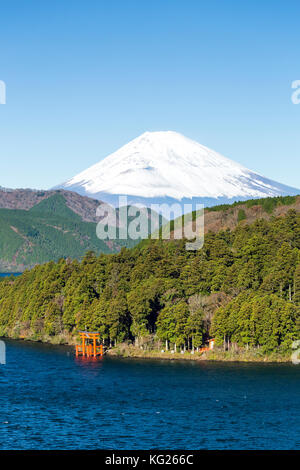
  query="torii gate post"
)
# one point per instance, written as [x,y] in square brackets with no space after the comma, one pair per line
[88,349]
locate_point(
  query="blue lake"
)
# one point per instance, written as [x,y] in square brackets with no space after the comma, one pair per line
[9,274]
[51,400]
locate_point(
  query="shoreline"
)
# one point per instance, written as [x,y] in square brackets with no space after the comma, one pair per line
[209,356]
[127,351]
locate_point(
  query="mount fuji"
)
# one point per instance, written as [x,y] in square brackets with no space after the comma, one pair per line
[166,167]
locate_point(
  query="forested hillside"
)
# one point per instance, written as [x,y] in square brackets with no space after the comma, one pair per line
[242,287]
[25,199]
[39,226]
[228,216]
[50,230]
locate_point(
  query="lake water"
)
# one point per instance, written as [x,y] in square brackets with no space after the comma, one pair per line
[51,400]
[9,274]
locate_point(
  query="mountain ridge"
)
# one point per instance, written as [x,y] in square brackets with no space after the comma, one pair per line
[25,199]
[166,167]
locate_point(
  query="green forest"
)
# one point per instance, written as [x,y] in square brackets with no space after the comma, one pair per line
[242,288]
[48,231]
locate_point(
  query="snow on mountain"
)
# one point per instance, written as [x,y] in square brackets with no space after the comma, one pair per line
[166,166]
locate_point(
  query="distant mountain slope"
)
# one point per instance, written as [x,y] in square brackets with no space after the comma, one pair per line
[228,216]
[48,231]
[160,167]
[25,199]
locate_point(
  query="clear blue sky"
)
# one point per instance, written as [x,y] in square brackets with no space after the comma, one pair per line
[85,77]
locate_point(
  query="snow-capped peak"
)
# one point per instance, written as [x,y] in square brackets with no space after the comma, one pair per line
[170,165]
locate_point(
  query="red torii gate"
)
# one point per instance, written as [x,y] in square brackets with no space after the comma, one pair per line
[89,346]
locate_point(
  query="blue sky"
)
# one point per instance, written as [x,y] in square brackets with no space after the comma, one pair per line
[85,77]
